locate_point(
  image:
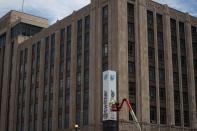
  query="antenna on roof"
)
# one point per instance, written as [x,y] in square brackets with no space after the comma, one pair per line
[22,5]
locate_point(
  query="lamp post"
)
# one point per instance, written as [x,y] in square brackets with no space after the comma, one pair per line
[76,127]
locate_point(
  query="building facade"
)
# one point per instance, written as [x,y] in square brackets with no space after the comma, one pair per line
[51,77]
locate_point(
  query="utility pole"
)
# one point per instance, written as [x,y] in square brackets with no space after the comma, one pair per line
[22,5]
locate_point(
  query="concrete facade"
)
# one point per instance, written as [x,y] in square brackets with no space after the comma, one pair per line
[53,79]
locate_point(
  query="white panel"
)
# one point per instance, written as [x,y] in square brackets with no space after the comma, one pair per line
[109,95]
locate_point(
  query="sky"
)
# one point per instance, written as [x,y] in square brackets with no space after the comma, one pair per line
[55,10]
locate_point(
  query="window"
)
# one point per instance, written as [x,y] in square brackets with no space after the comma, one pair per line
[131,49]
[160,38]
[131,67]
[62,36]
[174,60]
[153,114]
[185,98]
[130,10]
[162,94]
[176,97]
[53,40]
[150,19]
[184,80]
[79,79]
[152,93]
[161,75]
[161,55]
[62,52]
[186,119]
[183,61]
[86,77]
[152,73]
[150,37]
[105,37]
[132,91]
[163,115]
[151,53]
[159,20]
[181,28]
[68,82]
[195,65]
[105,11]
[177,117]
[131,31]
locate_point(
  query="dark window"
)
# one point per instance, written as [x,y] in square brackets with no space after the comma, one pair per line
[186,119]
[131,31]
[177,117]
[62,36]
[160,38]
[176,97]
[151,53]
[174,60]
[24,30]
[130,10]
[159,21]
[152,73]
[132,92]
[150,36]
[161,55]
[184,80]
[162,94]
[2,40]
[105,12]
[183,61]
[153,114]
[150,19]
[161,75]
[163,115]
[62,52]
[152,93]
[131,49]
[105,38]
[185,98]
[131,67]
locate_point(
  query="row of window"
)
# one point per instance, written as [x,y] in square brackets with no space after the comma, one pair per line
[105,38]
[33,102]
[131,56]
[194,44]
[22,90]
[2,51]
[24,30]
[2,40]
[152,63]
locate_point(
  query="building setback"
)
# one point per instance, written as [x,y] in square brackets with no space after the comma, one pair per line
[51,77]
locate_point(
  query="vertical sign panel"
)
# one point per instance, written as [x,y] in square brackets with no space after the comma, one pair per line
[109,95]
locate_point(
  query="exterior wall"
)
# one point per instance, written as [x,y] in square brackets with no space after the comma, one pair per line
[117,60]
[8,65]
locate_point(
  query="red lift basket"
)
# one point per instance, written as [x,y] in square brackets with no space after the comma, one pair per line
[117,106]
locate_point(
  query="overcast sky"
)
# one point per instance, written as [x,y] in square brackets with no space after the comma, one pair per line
[57,9]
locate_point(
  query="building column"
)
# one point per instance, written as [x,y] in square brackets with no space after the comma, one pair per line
[93,83]
[142,62]
[5,88]
[72,115]
[119,52]
[41,85]
[28,88]
[13,88]
[169,69]
[190,72]
[56,82]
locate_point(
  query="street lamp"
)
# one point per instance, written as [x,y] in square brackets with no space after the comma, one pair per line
[76,127]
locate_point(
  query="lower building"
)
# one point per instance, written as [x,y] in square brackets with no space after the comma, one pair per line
[51,77]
